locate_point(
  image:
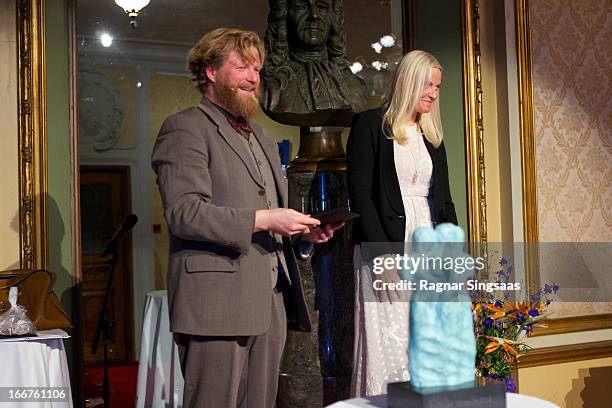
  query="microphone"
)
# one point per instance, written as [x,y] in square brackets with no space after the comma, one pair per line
[127,224]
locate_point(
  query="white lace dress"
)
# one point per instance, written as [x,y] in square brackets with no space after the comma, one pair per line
[381,329]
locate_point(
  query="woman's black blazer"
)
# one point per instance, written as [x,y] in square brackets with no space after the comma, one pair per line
[373,186]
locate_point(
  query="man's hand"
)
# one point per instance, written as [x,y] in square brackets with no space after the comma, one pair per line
[318,235]
[284,221]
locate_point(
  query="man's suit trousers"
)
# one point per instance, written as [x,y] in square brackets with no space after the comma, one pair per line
[234,371]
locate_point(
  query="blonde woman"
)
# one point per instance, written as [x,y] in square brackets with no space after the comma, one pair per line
[398,181]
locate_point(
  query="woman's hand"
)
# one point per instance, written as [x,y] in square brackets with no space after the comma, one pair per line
[389,275]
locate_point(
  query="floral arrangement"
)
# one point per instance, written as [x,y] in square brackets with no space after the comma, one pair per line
[500,325]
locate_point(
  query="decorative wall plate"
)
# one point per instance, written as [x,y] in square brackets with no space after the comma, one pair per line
[100,111]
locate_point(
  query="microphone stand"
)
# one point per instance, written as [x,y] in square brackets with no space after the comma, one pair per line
[105,327]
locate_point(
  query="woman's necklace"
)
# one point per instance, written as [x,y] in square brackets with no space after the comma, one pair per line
[417,162]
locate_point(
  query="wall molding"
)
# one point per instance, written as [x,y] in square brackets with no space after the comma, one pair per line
[565,354]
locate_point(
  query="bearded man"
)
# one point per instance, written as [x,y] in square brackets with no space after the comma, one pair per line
[232,270]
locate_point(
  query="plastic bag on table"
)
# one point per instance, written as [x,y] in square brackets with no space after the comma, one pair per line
[15,321]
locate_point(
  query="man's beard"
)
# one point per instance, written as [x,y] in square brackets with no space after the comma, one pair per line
[234,100]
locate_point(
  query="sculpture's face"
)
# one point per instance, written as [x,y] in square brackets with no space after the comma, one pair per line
[431,91]
[309,21]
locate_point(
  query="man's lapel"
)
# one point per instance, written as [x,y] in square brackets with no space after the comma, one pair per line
[231,138]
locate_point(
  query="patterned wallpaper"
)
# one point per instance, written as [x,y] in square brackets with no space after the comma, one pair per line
[571,57]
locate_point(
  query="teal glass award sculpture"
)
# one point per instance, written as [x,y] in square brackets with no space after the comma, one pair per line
[442,347]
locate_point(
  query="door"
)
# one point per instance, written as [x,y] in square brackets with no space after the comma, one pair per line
[105,202]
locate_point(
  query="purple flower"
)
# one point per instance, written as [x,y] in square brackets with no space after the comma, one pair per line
[510,384]
[503,261]
[520,316]
[498,303]
[534,312]
[488,321]
[536,296]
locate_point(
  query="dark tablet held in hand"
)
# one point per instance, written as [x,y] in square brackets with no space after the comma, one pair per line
[335,216]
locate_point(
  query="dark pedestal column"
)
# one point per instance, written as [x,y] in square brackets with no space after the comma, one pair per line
[316,367]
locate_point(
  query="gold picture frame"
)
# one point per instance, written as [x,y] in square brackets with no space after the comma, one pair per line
[529,181]
[32,134]
[473,119]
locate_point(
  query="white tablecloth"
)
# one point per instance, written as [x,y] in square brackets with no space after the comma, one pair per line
[160,382]
[35,362]
[512,401]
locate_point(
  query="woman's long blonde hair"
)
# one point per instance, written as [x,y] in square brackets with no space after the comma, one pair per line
[411,77]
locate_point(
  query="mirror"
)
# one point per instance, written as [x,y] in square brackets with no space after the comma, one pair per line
[130,79]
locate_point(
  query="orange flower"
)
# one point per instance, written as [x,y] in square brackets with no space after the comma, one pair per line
[498,311]
[509,349]
[491,347]
[499,342]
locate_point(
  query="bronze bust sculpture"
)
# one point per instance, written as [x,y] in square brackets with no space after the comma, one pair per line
[306,77]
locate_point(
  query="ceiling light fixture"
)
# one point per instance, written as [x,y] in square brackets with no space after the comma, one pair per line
[387,41]
[356,67]
[132,8]
[106,40]
[377,47]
